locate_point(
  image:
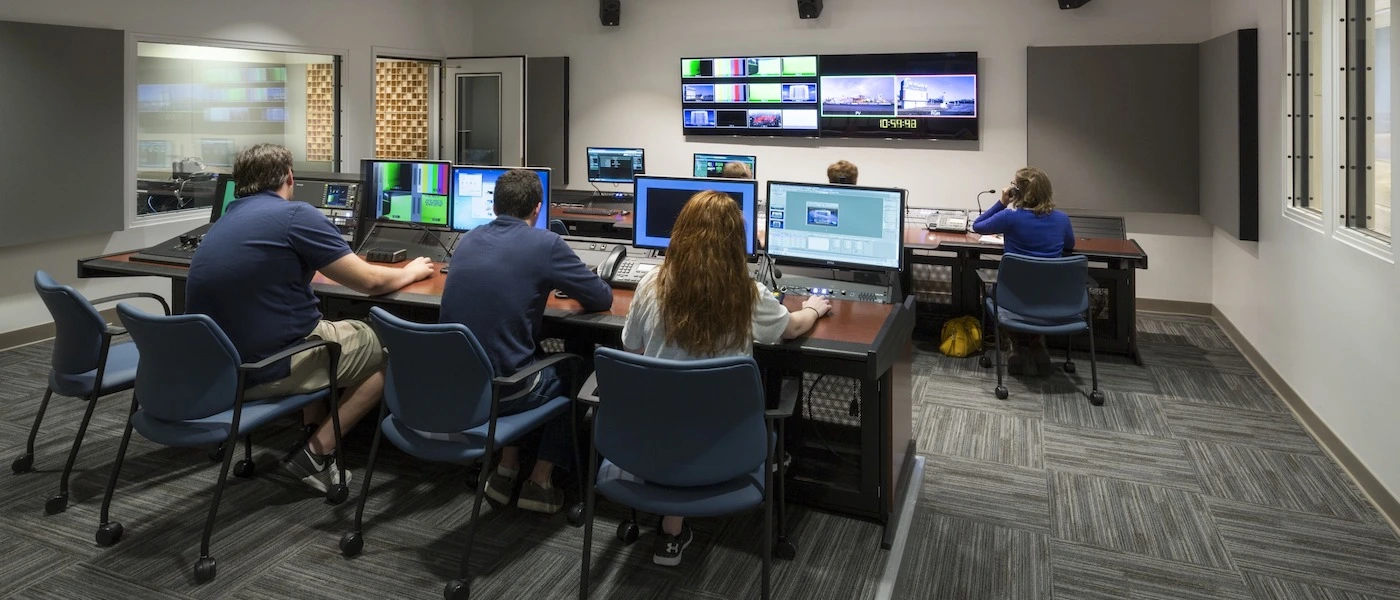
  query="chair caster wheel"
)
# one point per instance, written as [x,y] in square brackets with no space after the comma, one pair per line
[457,590]
[984,361]
[109,534]
[627,532]
[351,544]
[56,504]
[785,549]
[22,464]
[205,569]
[244,469]
[1096,398]
[217,455]
[1069,367]
[576,515]
[1002,392]
[337,494]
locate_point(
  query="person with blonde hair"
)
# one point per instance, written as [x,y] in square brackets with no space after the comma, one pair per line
[701,303]
[1030,226]
[842,172]
[736,170]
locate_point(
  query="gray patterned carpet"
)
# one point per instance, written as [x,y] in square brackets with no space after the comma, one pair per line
[1193,481]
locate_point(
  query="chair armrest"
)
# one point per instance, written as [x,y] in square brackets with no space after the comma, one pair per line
[128,296]
[787,399]
[588,394]
[287,352]
[538,366]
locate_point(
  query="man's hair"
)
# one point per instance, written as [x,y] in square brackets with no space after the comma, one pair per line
[1035,193]
[518,192]
[261,167]
[842,172]
[736,170]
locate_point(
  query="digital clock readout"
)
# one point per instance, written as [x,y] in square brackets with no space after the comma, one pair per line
[899,123]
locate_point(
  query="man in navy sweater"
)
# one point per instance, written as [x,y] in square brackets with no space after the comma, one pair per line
[499,280]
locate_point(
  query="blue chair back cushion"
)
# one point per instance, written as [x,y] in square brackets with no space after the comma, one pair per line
[1043,288]
[438,379]
[680,422]
[78,326]
[188,369]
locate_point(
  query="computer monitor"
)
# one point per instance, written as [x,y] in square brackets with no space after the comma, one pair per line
[615,165]
[224,195]
[660,199]
[831,225]
[407,191]
[474,196]
[712,165]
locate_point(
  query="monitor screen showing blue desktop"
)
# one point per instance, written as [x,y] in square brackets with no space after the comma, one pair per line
[660,199]
[474,196]
[835,225]
[712,165]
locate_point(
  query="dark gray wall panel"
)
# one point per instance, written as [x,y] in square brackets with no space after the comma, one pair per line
[1229,101]
[62,172]
[1116,127]
[547,117]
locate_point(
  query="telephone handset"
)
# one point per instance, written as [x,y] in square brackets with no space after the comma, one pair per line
[608,268]
[625,273]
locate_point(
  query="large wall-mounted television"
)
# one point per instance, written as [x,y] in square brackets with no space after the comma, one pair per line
[902,96]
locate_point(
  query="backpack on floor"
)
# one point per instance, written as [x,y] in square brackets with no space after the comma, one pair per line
[961,337]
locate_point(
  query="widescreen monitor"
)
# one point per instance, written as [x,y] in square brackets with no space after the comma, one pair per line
[408,191]
[832,225]
[712,165]
[474,196]
[615,165]
[914,96]
[224,195]
[660,199]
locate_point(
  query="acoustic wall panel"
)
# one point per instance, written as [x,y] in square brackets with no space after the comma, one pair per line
[62,172]
[1116,127]
[1229,158]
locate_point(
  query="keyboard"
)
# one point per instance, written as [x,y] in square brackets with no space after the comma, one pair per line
[579,210]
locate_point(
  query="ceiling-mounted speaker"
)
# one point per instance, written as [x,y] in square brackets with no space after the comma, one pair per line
[1068,4]
[809,9]
[610,12]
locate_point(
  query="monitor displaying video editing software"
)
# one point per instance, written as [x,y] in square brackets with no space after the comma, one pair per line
[660,200]
[408,191]
[615,165]
[712,165]
[836,225]
[474,196]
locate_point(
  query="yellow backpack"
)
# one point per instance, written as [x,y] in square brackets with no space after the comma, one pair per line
[961,337]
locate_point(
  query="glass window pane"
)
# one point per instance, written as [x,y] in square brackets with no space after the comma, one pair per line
[198,105]
[1379,196]
[1307,65]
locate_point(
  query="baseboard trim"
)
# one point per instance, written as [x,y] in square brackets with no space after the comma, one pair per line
[1371,486]
[1200,309]
[39,333]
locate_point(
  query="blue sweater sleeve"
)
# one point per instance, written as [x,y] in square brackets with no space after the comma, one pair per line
[1069,235]
[993,221]
[574,278]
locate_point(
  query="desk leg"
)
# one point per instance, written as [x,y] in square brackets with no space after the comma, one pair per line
[1127,307]
[177,296]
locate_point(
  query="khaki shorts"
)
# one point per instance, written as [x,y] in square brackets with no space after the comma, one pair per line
[361,355]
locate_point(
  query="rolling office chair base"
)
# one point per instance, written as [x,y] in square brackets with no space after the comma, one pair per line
[109,534]
[337,494]
[56,504]
[205,569]
[23,464]
[984,361]
[245,469]
[575,515]
[351,544]
[628,532]
[1069,367]
[784,549]
[1096,398]
[457,590]
[217,455]
[1003,393]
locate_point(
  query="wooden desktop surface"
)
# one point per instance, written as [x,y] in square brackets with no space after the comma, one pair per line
[919,238]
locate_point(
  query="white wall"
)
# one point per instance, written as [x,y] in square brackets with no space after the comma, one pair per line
[353,27]
[625,88]
[1321,312]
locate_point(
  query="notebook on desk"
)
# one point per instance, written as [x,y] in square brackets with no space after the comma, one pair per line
[991,239]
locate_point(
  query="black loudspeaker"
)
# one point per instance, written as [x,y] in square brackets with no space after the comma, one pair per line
[1068,4]
[610,12]
[809,9]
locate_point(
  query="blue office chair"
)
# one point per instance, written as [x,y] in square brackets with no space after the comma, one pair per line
[687,438]
[189,393]
[85,364]
[440,381]
[1044,296]
[558,226]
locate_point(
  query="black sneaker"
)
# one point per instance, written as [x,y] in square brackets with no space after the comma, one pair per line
[534,497]
[319,472]
[498,487]
[669,547]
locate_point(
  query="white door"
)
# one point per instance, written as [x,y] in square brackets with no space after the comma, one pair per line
[484,111]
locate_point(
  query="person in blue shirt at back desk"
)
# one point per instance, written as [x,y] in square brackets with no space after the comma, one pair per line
[1030,225]
[500,279]
[252,275]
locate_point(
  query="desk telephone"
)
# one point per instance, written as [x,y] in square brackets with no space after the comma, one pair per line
[622,272]
[948,222]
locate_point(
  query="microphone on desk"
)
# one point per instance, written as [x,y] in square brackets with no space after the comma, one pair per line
[979,199]
[429,233]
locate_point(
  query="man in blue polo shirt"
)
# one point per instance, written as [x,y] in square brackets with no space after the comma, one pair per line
[252,275]
[501,276]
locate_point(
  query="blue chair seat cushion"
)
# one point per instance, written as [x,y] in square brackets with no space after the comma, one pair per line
[119,376]
[1020,323]
[467,446]
[728,497]
[214,429]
